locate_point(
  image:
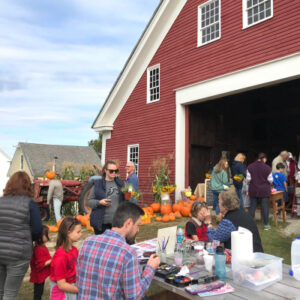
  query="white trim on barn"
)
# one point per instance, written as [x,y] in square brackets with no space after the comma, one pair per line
[269,73]
[106,135]
[138,62]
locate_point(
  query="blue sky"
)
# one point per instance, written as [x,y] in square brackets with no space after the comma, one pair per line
[58,62]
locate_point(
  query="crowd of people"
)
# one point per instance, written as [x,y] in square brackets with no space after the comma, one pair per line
[106,267]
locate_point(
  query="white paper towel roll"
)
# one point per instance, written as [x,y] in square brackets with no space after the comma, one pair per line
[241,244]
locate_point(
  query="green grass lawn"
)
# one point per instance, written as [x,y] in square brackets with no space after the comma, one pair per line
[274,242]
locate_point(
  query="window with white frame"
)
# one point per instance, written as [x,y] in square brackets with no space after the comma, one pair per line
[133,155]
[153,84]
[256,11]
[209,22]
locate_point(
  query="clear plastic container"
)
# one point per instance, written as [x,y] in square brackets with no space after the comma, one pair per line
[261,271]
[295,257]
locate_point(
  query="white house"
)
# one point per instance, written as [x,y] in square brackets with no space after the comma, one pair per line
[4,166]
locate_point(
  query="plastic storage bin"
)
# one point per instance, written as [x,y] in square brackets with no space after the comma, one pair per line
[258,273]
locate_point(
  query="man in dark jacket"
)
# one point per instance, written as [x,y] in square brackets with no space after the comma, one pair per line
[105,197]
[259,177]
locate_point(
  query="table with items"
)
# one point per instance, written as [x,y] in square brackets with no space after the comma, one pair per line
[191,279]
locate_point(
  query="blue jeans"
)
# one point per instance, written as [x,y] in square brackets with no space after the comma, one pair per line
[239,194]
[216,202]
[57,206]
[11,277]
[264,207]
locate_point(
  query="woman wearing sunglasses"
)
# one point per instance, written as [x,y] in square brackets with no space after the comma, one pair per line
[105,197]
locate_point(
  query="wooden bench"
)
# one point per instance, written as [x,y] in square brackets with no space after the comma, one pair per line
[279,195]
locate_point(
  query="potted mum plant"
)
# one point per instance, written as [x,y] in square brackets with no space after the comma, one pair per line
[130,193]
[160,172]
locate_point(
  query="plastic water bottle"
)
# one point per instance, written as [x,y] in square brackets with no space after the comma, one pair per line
[295,255]
[220,261]
[179,235]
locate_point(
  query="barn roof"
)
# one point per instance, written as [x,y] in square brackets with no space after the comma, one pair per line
[38,155]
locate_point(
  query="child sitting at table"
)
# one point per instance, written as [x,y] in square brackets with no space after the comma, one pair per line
[196,227]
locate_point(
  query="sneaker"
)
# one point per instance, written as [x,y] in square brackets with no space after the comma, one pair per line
[267,227]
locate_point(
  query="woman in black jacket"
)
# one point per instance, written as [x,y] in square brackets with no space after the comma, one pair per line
[20,223]
[105,197]
[239,168]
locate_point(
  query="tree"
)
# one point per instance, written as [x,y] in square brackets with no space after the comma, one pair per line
[96,144]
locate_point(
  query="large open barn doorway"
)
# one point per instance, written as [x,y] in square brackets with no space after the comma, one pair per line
[261,120]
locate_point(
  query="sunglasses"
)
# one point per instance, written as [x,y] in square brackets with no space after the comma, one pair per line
[113,171]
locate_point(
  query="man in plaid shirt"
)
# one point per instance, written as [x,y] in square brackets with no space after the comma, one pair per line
[107,267]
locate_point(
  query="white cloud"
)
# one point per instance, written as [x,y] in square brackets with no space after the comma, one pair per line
[58,62]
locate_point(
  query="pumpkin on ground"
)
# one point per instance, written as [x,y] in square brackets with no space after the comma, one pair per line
[185,211]
[193,197]
[82,219]
[158,219]
[166,218]
[155,206]
[165,209]
[59,222]
[148,210]
[146,220]
[52,228]
[172,217]
[176,207]
[178,215]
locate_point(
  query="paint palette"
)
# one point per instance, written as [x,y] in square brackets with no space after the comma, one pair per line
[180,281]
[164,270]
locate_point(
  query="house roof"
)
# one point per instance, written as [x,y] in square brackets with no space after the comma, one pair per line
[142,54]
[38,155]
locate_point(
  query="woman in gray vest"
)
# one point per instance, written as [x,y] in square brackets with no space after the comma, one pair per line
[20,223]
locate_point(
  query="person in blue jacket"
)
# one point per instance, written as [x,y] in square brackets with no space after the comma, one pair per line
[239,168]
[105,197]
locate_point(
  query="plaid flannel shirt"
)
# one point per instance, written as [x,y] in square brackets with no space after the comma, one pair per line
[108,268]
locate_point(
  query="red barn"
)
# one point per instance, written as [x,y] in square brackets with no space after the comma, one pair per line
[206,77]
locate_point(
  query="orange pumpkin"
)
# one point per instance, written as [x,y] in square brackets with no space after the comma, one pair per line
[158,219]
[166,218]
[193,197]
[59,222]
[185,211]
[52,228]
[150,210]
[50,174]
[146,221]
[165,209]
[176,207]
[82,219]
[172,217]
[155,207]
[178,215]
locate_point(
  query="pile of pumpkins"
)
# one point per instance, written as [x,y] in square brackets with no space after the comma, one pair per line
[168,212]
[84,220]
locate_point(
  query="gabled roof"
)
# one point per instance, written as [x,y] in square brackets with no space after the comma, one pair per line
[142,54]
[38,155]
